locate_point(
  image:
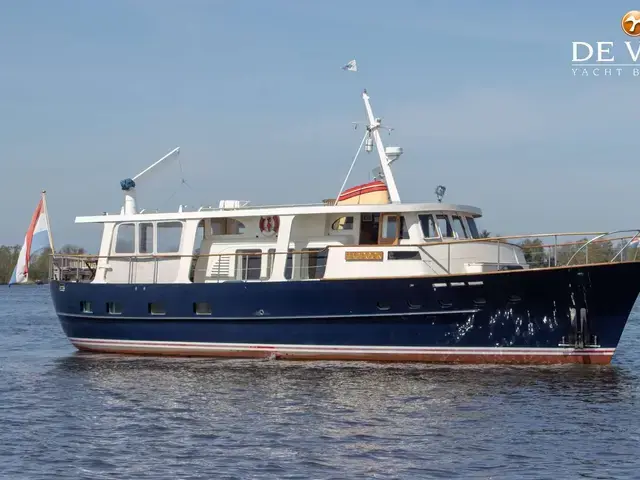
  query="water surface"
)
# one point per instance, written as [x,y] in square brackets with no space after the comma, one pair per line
[70,415]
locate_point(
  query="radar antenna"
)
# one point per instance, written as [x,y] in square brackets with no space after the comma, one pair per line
[128,185]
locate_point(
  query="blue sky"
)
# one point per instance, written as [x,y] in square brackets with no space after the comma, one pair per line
[481,95]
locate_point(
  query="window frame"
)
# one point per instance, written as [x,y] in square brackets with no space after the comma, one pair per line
[446,217]
[470,229]
[137,251]
[241,270]
[156,250]
[316,253]
[381,229]
[336,224]
[116,236]
[139,238]
[435,226]
[460,218]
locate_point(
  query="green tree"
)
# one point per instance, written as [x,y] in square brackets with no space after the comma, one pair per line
[39,266]
[534,252]
[72,250]
[38,263]
[598,251]
[8,259]
[628,254]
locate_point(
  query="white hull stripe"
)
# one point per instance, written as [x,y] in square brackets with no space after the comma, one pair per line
[352,349]
[270,317]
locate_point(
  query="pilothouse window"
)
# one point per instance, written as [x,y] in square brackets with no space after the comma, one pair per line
[169,235]
[145,238]
[444,226]
[458,227]
[473,229]
[428,225]
[125,239]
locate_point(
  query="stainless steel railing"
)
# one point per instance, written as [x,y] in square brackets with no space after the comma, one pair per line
[540,251]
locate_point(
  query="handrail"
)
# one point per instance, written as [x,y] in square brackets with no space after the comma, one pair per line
[604,235]
[444,241]
[537,255]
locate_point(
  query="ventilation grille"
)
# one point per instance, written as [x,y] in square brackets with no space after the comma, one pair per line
[220,267]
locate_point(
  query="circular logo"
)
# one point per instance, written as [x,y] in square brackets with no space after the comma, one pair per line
[631,23]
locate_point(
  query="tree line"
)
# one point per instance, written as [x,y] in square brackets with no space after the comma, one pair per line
[539,254]
[38,266]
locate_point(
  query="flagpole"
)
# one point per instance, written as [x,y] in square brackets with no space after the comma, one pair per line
[46,212]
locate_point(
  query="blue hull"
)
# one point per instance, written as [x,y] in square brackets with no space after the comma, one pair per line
[507,317]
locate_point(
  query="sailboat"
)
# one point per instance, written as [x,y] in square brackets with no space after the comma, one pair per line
[38,234]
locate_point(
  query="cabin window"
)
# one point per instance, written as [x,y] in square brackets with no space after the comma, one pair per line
[403,255]
[114,308]
[169,235]
[202,308]
[85,307]
[248,264]
[145,238]
[473,229]
[444,226]
[458,226]
[428,225]
[226,226]
[125,238]
[315,262]
[156,308]
[288,266]
[343,223]
[389,229]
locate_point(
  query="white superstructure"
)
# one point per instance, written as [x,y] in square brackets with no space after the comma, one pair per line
[356,237]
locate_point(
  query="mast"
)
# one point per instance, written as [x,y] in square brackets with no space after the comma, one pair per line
[385,162]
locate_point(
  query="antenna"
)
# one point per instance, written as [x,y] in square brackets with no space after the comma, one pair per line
[388,155]
[440,189]
[128,185]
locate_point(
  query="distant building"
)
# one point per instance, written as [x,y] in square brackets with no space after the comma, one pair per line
[69,269]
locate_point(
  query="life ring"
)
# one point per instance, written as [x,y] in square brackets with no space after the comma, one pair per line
[269,225]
